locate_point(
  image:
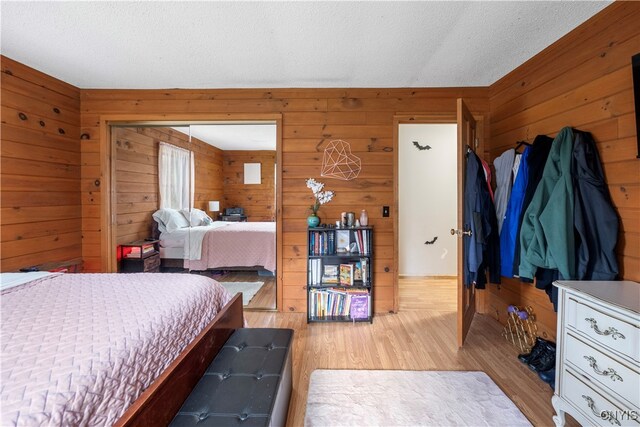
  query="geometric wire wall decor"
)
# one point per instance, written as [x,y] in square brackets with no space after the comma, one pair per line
[338,161]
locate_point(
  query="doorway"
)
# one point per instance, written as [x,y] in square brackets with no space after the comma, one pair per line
[427,210]
[208,187]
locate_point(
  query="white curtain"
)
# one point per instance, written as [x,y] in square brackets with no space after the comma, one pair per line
[176,176]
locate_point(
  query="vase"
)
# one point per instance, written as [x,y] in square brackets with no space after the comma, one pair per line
[313,220]
[364,218]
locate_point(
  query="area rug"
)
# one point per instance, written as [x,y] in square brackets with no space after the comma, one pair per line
[408,398]
[248,289]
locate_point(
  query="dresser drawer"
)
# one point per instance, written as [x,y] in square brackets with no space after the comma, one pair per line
[607,327]
[599,409]
[615,376]
[150,264]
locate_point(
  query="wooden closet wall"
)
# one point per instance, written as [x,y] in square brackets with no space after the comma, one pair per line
[258,200]
[583,80]
[40,170]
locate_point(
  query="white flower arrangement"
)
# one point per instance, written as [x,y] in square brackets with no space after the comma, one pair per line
[321,197]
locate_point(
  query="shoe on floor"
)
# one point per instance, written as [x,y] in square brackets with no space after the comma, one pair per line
[534,353]
[546,360]
[549,377]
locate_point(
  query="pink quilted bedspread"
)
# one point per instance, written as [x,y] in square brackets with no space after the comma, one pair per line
[78,349]
[240,244]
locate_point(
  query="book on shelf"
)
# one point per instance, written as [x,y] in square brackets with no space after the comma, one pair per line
[343,241]
[364,270]
[321,243]
[359,307]
[357,270]
[346,274]
[330,274]
[333,302]
[137,251]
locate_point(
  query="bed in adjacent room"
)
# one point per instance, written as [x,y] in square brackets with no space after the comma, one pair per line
[80,349]
[200,244]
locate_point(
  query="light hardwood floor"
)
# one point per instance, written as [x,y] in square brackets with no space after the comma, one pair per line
[265,298]
[421,336]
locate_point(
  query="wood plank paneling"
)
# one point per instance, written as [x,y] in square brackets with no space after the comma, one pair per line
[136,167]
[40,168]
[583,80]
[311,118]
[258,200]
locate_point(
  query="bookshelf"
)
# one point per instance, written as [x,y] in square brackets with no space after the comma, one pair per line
[339,274]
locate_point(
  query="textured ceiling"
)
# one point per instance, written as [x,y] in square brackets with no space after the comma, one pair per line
[234,136]
[148,44]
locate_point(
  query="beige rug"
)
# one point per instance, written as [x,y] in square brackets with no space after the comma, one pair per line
[408,398]
[248,289]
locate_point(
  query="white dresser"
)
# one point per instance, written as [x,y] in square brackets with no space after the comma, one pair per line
[598,353]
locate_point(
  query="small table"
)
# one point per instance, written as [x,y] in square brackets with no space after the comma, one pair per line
[146,261]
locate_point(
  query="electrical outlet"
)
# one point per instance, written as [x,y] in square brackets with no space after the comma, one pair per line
[385,211]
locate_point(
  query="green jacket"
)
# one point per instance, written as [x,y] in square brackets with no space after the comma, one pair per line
[547,235]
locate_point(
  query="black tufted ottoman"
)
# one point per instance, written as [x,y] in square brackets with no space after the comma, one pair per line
[247,384]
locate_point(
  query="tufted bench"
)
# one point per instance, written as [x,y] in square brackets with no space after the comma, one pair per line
[247,384]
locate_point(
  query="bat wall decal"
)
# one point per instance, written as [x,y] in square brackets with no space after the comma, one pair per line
[421,147]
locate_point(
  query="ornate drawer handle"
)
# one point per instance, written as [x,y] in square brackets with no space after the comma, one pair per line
[605,415]
[610,331]
[610,372]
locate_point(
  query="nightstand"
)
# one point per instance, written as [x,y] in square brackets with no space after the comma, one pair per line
[149,264]
[141,256]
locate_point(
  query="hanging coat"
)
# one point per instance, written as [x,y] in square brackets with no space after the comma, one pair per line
[473,254]
[596,221]
[537,158]
[547,234]
[512,216]
[481,249]
[504,166]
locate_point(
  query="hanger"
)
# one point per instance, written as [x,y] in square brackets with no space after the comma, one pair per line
[520,144]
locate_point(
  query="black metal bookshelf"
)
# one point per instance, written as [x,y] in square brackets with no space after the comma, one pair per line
[340,274]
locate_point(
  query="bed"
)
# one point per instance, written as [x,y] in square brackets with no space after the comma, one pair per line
[199,246]
[99,349]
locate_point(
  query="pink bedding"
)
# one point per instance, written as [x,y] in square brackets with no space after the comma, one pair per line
[78,349]
[240,244]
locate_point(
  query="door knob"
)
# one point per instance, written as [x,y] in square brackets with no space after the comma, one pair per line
[461,233]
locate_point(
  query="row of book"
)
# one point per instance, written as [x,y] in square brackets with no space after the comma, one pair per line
[346,274]
[339,241]
[362,241]
[138,251]
[322,243]
[339,302]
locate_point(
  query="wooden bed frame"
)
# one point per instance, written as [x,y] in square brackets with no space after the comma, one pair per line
[158,404]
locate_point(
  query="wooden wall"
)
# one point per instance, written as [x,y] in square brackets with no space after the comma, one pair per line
[137,176]
[311,118]
[583,80]
[40,168]
[258,200]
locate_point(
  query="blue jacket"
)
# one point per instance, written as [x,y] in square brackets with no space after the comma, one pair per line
[509,230]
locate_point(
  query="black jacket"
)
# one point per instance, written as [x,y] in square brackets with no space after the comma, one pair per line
[595,220]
